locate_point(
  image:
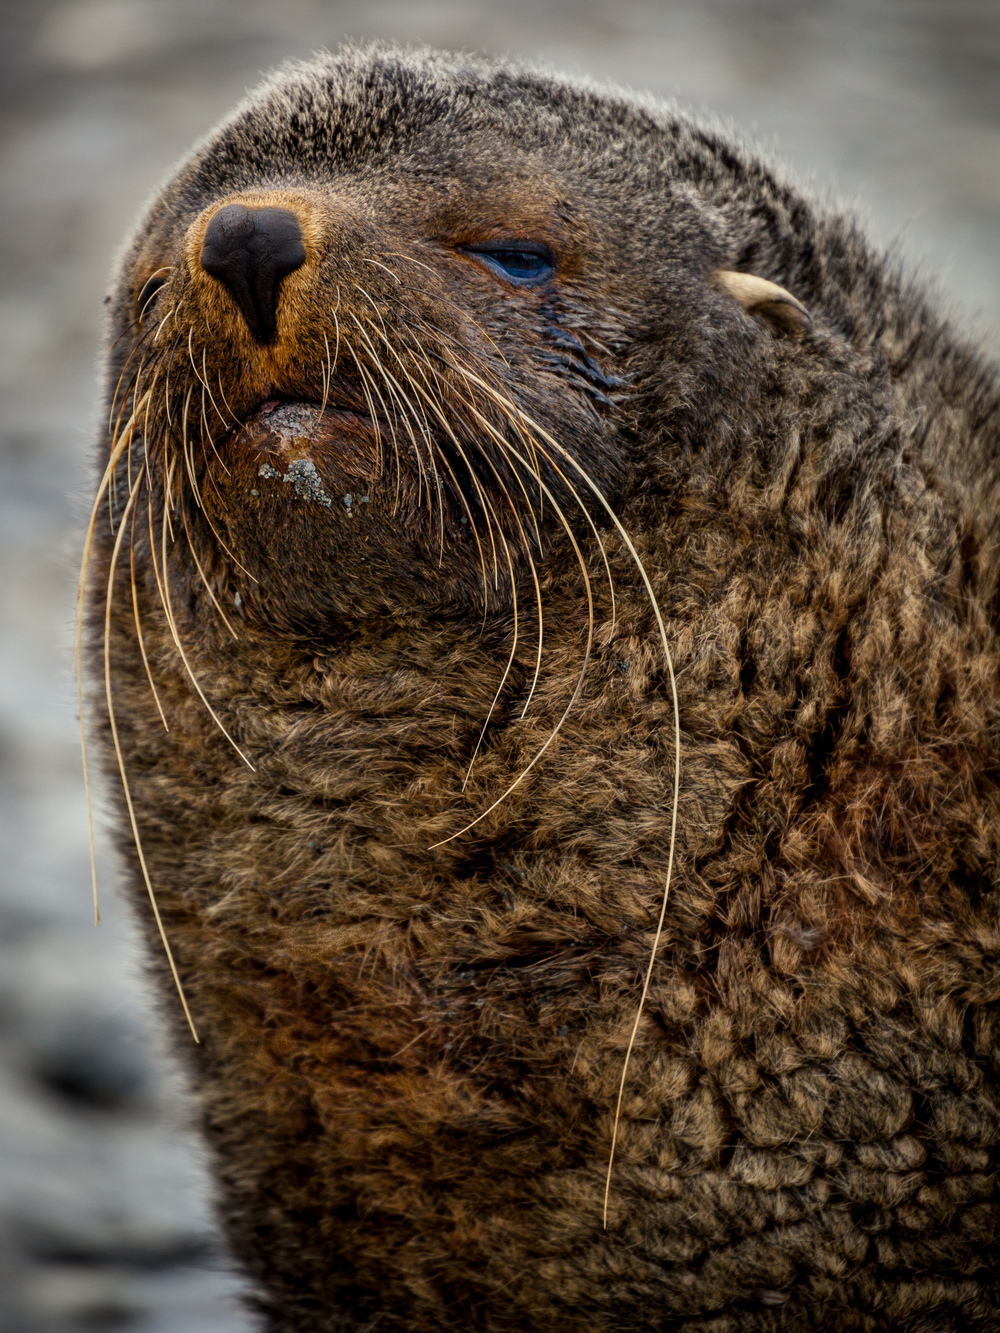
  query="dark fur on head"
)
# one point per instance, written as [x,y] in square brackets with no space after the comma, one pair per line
[375,543]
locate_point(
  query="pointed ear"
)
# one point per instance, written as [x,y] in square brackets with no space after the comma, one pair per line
[757,296]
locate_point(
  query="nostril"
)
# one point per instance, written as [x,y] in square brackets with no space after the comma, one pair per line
[250,250]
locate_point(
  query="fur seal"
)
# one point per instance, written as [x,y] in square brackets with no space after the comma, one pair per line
[437,389]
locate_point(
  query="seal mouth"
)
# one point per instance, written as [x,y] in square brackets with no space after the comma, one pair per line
[295,419]
[279,402]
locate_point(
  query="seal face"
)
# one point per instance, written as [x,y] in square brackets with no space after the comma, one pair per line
[436,346]
[444,396]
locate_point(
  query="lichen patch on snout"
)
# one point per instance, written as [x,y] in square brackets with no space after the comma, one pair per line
[304,477]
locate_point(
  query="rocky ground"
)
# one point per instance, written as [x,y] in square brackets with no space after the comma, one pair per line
[105,1221]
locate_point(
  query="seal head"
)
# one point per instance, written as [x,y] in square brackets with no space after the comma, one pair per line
[437,344]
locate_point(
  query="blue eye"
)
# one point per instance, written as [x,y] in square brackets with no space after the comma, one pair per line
[524,263]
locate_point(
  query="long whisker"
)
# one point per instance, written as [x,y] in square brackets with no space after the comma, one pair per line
[640,567]
[327,372]
[513,583]
[166,382]
[429,397]
[503,444]
[152,537]
[137,406]
[201,575]
[164,268]
[365,389]
[145,420]
[188,454]
[207,435]
[138,626]
[524,423]
[222,395]
[119,444]
[540,434]
[374,304]
[171,314]
[509,411]
[109,603]
[569,707]
[171,622]
[416,412]
[208,389]
[186,445]
[392,387]
[557,509]
[215,533]
[385,268]
[336,328]
[206,429]
[510,661]
[139,347]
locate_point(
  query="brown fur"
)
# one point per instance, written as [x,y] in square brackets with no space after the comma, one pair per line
[411,1048]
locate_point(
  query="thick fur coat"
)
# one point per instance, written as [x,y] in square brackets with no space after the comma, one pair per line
[325,557]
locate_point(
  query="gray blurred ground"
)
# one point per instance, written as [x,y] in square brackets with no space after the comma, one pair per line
[892,105]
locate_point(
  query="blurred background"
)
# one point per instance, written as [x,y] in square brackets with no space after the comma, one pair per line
[890,107]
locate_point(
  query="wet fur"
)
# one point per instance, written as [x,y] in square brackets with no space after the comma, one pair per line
[410,1058]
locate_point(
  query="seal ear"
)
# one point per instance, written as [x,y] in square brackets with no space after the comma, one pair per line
[757,296]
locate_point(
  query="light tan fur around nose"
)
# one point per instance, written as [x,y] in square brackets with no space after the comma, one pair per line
[309,216]
[263,366]
[759,296]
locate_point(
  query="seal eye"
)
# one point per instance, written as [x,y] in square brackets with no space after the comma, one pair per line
[524,263]
[149,290]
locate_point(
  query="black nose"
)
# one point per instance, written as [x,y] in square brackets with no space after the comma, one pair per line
[250,250]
